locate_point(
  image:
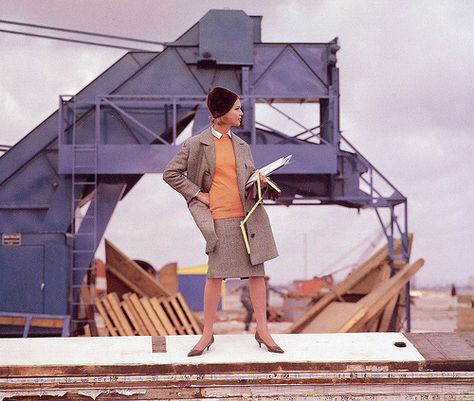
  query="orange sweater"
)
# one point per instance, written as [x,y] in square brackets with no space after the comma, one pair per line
[224,194]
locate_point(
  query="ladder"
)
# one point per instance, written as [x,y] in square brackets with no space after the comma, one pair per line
[83,227]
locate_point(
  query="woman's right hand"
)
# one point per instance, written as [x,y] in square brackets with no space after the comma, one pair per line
[203,197]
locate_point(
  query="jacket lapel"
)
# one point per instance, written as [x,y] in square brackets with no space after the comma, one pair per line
[209,150]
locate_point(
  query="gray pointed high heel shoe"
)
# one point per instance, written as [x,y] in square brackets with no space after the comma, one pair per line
[196,352]
[270,348]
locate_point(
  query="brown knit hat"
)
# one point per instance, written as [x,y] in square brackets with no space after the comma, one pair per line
[220,101]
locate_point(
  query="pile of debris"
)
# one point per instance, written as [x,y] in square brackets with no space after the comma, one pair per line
[139,301]
[367,300]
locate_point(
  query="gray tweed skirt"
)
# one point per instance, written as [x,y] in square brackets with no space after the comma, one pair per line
[230,258]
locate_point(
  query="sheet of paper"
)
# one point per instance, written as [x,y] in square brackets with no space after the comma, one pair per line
[269,169]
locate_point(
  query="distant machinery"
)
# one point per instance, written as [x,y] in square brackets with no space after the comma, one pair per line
[92,151]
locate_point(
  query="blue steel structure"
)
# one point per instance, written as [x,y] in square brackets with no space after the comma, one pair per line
[97,145]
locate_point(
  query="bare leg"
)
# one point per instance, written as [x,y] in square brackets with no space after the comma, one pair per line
[258,294]
[212,294]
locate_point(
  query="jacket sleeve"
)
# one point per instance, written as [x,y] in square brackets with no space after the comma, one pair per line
[175,174]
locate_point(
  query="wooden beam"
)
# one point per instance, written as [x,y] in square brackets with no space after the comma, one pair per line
[329,320]
[339,289]
[160,312]
[194,322]
[346,317]
[131,274]
[134,316]
[121,318]
[378,298]
[152,315]
[168,277]
[351,280]
[107,320]
[143,315]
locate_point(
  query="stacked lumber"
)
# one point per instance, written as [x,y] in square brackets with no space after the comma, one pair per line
[465,312]
[365,301]
[143,316]
[138,304]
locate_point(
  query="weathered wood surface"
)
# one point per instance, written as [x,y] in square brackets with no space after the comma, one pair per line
[445,351]
[351,366]
[168,277]
[252,386]
[131,274]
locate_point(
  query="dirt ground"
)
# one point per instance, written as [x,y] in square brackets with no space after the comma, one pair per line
[432,311]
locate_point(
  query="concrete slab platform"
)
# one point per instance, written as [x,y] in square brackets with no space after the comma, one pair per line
[301,348]
[315,367]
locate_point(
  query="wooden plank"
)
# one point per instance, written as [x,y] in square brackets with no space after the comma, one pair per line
[131,318]
[131,274]
[168,277]
[88,299]
[387,314]
[181,315]
[160,312]
[345,317]
[194,322]
[373,324]
[172,315]
[143,315]
[51,323]
[378,298]
[370,281]
[445,351]
[452,345]
[424,346]
[115,283]
[153,317]
[352,279]
[111,311]
[113,316]
[158,344]
[140,326]
[108,322]
[329,320]
[115,303]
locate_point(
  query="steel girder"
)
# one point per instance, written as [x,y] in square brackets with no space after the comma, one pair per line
[133,114]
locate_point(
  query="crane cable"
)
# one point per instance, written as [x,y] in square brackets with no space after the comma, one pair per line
[23,24]
[377,235]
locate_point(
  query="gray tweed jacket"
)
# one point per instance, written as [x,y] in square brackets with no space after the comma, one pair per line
[192,169]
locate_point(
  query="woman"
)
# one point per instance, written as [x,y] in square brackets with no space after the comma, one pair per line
[210,171]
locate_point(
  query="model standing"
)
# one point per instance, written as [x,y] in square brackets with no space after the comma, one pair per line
[210,171]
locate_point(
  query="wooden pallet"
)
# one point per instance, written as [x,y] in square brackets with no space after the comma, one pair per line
[144,316]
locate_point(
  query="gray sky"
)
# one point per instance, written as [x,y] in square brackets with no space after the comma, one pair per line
[406,104]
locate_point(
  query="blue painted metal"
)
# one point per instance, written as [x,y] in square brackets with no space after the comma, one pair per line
[191,286]
[126,123]
[34,275]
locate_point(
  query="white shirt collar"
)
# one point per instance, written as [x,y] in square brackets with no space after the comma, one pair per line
[217,134]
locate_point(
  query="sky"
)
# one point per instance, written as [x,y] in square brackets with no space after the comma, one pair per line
[406,104]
